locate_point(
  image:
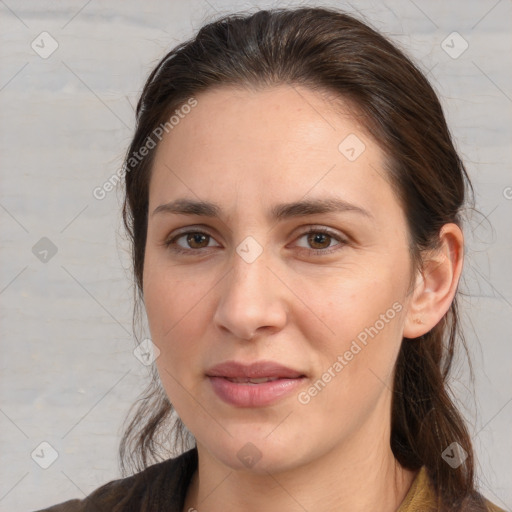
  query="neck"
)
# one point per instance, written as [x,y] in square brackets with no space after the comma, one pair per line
[359,475]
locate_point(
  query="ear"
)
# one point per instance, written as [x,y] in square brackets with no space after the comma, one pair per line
[436,284]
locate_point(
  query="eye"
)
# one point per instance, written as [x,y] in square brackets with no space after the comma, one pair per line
[193,240]
[320,240]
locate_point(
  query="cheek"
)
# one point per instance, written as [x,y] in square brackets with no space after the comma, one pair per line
[170,301]
[175,308]
[356,368]
[364,314]
[349,302]
[171,313]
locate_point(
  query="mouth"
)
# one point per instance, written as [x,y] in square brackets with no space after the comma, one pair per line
[255,385]
[253,371]
[245,380]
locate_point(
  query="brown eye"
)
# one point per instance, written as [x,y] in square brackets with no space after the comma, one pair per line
[319,240]
[190,242]
[199,239]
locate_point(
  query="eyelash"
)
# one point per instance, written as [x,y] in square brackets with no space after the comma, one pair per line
[171,243]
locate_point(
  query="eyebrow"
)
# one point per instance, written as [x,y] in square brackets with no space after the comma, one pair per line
[281,211]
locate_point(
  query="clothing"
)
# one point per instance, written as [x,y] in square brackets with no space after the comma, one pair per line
[163,487]
[421,496]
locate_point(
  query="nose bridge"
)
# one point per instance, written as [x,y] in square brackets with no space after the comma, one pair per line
[251,296]
[250,261]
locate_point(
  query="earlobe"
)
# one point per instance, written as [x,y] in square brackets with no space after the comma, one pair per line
[436,283]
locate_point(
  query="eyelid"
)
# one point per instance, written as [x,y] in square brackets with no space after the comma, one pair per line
[171,240]
[342,239]
[324,229]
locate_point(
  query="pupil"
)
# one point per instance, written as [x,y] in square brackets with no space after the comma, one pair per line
[317,238]
[321,236]
[196,238]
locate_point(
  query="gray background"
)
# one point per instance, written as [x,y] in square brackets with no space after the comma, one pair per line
[68,374]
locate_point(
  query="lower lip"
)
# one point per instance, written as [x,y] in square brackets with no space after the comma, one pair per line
[254,395]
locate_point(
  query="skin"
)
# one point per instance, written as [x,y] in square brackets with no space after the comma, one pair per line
[247,150]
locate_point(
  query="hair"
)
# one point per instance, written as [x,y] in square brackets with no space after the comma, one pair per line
[328,51]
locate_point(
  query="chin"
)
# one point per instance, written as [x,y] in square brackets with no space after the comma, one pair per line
[256,453]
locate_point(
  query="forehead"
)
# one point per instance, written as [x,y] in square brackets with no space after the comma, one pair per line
[276,144]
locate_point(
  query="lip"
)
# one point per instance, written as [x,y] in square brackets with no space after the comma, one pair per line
[242,394]
[256,370]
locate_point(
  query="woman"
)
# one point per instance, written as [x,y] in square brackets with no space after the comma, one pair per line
[293,197]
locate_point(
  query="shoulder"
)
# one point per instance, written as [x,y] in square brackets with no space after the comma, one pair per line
[162,484]
[491,507]
[421,497]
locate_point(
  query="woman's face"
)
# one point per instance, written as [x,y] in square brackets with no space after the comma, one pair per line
[252,285]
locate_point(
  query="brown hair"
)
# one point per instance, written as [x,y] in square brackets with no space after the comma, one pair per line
[327,50]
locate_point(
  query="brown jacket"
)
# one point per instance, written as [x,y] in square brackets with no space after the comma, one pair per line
[163,486]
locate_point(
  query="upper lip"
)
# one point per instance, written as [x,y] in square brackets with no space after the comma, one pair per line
[258,369]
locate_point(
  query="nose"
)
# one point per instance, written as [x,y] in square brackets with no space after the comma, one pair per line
[252,299]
